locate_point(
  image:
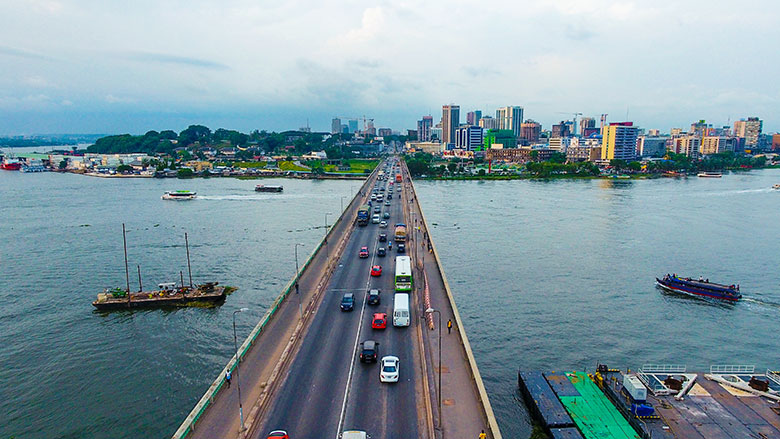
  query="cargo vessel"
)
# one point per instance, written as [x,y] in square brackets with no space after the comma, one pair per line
[701,287]
[265,188]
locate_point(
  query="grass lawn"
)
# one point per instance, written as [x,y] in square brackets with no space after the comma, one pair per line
[250,164]
[290,166]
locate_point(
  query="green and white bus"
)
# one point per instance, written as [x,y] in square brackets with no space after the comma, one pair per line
[403,273]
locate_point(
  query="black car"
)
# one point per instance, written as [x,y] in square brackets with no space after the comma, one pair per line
[348,302]
[389,196]
[401,248]
[369,351]
[382,237]
[381,251]
[373,297]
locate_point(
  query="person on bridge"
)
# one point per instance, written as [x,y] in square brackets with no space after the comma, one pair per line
[483,435]
[228,376]
[449,326]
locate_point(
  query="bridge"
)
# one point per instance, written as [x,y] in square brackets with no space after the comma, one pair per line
[299,369]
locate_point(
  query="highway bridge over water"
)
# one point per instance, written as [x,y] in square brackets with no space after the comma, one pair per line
[299,368]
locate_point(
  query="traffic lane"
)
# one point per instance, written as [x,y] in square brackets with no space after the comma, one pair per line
[305,402]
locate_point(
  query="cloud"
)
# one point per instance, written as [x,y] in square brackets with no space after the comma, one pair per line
[38,82]
[11,51]
[371,25]
[111,99]
[578,32]
[160,58]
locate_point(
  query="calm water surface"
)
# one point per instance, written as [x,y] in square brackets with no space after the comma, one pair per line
[67,371]
[547,275]
[560,274]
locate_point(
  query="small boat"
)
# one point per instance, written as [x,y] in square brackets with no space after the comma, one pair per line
[701,287]
[10,164]
[264,188]
[709,174]
[179,195]
[776,186]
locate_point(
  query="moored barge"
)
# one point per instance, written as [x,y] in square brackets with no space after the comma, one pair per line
[164,296]
[700,287]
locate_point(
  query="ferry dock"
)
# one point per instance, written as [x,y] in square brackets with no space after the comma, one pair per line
[655,401]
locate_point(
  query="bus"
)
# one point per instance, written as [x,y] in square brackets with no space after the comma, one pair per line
[403,273]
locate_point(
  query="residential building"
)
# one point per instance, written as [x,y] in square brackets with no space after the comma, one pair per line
[587,123]
[749,130]
[619,141]
[676,131]
[505,138]
[584,150]
[468,137]
[530,131]
[562,129]
[561,143]
[775,142]
[687,145]
[385,132]
[436,133]
[716,144]
[700,128]
[473,117]
[412,134]
[653,132]
[450,121]
[510,118]
[335,126]
[424,127]
[488,123]
[651,145]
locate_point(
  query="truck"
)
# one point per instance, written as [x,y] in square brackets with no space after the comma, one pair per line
[397,178]
[362,214]
[400,232]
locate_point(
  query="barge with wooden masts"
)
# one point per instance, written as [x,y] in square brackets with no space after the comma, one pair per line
[166,294]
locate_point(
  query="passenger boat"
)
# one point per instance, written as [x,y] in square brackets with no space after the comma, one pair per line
[264,188]
[700,287]
[709,174]
[776,186]
[178,195]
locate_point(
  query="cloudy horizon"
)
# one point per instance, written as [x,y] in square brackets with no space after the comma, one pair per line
[84,66]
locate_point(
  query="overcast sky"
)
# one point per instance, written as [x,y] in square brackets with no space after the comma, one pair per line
[97,66]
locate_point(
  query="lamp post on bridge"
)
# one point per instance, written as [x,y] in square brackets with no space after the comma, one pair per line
[297,274]
[327,246]
[428,311]
[342,202]
[238,363]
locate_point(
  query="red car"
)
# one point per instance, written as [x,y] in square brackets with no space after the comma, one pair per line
[363,252]
[379,321]
[278,434]
[376,270]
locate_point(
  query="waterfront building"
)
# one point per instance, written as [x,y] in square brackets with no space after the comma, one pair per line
[450,120]
[468,137]
[510,118]
[651,145]
[488,123]
[335,126]
[530,131]
[587,124]
[749,130]
[505,138]
[619,141]
[562,129]
[424,127]
[685,144]
[716,144]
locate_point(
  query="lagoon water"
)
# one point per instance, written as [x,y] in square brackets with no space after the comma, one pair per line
[547,275]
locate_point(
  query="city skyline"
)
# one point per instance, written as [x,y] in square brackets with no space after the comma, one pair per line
[77,67]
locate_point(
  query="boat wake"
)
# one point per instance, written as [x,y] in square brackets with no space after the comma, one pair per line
[758,301]
[236,197]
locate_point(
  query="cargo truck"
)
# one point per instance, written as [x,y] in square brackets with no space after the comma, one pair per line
[362,215]
[397,178]
[400,232]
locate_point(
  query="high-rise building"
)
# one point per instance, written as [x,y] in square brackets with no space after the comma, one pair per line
[424,126]
[619,141]
[488,123]
[450,120]
[385,132]
[530,131]
[500,139]
[651,145]
[775,142]
[716,144]
[749,130]
[468,137]
[335,126]
[700,128]
[585,123]
[676,131]
[685,144]
[510,118]
[352,125]
[562,129]
[473,117]
[436,133]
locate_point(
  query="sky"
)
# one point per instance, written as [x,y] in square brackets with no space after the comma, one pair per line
[96,66]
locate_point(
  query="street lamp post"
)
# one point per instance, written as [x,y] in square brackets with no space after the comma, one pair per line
[342,202]
[297,274]
[427,311]
[327,246]
[238,362]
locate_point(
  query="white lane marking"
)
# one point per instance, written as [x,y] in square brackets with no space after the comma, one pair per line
[354,347]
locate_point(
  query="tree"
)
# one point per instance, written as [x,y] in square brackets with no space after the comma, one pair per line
[63,164]
[185,173]
[481,172]
[124,168]
[618,164]
[195,133]
[634,166]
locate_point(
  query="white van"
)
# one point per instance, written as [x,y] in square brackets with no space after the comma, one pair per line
[401,311]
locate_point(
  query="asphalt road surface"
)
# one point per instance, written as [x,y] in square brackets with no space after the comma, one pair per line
[328,389]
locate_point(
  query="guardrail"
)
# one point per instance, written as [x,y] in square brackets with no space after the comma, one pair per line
[208,398]
[483,396]
[733,368]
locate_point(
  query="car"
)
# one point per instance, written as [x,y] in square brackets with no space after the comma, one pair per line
[401,248]
[379,321]
[382,189]
[386,215]
[383,224]
[382,237]
[381,251]
[388,373]
[375,219]
[387,203]
[377,209]
[363,252]
[376,270]
[369,351]
[348,302]
[373,197]
[278,434]
[354,434]
[389,196]
[373,296]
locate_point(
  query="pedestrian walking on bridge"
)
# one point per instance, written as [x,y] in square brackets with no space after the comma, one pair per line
[449,326]
[228,376]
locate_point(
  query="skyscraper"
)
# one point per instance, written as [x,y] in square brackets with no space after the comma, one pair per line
[488,123]
[510,118]
[619,141]
[335,125]
[562,129]
[468,137]
[473,117]
[749,130]
[424,126]
[450,120]
[352,125]
[586,126]
[530,131]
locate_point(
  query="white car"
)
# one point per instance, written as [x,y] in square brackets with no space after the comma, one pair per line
[383,224]
[388,373]
[375,219]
